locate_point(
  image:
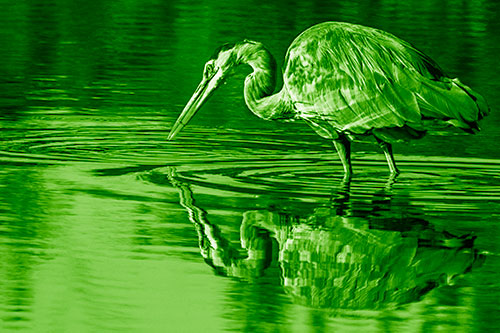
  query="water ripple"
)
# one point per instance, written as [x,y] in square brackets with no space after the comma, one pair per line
[239,162]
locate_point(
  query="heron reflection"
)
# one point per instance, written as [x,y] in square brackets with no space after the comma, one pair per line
[337,256]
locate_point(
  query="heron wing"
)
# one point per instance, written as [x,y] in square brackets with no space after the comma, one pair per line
[356,79]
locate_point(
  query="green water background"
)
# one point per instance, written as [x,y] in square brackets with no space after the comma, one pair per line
[92,233]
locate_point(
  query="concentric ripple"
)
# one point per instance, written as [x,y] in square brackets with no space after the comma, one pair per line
[318,177]
[246,163]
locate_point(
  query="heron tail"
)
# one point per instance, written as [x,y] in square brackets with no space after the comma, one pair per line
[452,102]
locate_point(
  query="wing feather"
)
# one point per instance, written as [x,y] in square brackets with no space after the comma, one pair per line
[358,79]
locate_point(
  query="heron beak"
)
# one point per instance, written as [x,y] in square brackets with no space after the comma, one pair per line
[201,94]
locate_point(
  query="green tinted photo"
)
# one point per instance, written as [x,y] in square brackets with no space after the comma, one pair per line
[249,166]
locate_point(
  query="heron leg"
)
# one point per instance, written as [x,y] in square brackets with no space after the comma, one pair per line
[387,148]
[343,146]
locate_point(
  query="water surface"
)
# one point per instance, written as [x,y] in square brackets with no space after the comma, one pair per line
[239,224]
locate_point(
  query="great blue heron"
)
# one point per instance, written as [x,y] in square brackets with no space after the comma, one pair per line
[346,81]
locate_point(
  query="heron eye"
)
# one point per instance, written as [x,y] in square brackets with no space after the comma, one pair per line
[209,69]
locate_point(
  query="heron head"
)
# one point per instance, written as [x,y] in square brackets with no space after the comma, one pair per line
[214,73]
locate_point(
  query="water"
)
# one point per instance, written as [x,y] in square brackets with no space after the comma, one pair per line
[239,224]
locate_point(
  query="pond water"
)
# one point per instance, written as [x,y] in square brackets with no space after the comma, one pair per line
[239,224]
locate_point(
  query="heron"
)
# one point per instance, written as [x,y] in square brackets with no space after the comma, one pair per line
[348,82]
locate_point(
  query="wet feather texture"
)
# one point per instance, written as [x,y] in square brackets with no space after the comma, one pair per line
[346,81]
[357,79]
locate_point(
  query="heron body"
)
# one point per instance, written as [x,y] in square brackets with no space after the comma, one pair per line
[346,81]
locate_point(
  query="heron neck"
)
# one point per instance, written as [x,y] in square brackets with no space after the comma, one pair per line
[261,83]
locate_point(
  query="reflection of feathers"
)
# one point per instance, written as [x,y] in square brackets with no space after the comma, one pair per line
[366,261]
[352,78]
[332,261]
[349,268]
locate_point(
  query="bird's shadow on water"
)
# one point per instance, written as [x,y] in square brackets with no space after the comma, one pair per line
[352,251]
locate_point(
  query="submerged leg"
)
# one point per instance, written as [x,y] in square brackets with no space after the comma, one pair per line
[343,147]
[387,148]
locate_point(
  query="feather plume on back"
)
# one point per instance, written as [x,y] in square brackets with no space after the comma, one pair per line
[358,80]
